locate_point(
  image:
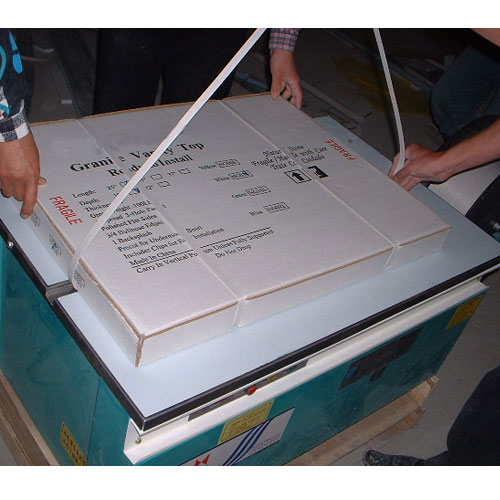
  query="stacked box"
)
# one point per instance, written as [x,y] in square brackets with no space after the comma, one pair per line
[252,210]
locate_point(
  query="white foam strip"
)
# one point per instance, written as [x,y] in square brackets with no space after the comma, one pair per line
[188,116]
[397,116]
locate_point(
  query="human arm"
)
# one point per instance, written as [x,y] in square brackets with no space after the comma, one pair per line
[20,172]
[285,76]
[423,164]
[19,159]
[491,34]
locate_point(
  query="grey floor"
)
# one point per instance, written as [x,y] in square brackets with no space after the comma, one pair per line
[341,78]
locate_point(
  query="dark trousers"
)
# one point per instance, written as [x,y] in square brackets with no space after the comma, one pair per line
[474,438]
[130,63]
[469,88]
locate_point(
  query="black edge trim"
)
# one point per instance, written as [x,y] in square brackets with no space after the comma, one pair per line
[98,364]
[307,351]
[238,383]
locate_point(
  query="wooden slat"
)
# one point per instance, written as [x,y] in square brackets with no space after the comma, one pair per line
[20,433]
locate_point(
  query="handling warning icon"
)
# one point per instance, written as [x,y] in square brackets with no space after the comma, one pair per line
[318,172]
[298,176]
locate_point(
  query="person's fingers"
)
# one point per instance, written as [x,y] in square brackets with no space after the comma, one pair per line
[299,99]
[287,93]
[7,189]
[394,165]
[30,195]
[297,94]
[42,181]
[410,183]
[19,191]
[277,87]
[406,180]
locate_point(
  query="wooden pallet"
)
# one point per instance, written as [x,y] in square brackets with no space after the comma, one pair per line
[18,430]
[29,448]
[398,416]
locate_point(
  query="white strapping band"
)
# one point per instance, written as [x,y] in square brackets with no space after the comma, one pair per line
[181,124]
[397,116]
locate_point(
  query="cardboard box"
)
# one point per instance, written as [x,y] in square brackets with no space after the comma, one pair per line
[412,228]
[235,222]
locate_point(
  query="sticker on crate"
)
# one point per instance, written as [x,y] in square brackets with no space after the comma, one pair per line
[71,446]
[245,445]
[465,311]
[244,422]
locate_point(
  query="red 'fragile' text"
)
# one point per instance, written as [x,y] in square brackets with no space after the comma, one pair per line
[66,211]
[340,149]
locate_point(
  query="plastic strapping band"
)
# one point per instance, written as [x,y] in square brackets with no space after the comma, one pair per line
[397,116]
[181,124]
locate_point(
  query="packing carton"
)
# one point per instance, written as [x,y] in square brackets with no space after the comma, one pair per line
[252,210]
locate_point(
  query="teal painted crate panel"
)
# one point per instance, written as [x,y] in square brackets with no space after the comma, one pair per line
[47,370]
[324,407]
[56,383]
[319,409]
[109,430]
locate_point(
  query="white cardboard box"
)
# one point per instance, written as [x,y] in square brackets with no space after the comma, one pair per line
[413,228]
[252,210]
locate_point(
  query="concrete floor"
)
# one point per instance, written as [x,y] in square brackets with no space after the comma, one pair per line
[341,79]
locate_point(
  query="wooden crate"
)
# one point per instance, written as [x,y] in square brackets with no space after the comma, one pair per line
[29,448]
[20,433]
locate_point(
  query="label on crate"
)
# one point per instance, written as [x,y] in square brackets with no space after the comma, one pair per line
[247,444]
[465,311]
[71,446]
[246,421]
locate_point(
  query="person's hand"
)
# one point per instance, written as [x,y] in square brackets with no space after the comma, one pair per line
[286,80]
[20,172]
[421,164]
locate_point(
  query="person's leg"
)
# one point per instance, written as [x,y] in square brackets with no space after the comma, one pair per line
[196,57]
[373,457]
[129,63]
[462,93]
[474,438]
[493,107]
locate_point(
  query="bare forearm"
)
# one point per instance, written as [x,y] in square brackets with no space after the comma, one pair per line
[478,150]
